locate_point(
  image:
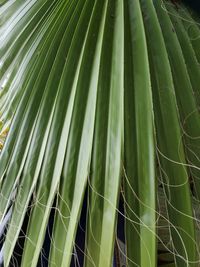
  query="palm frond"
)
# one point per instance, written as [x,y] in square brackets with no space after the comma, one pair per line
[99,99]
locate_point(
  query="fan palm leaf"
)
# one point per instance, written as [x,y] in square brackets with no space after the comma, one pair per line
[99,100]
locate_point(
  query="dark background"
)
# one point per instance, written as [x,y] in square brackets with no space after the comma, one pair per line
[193,4]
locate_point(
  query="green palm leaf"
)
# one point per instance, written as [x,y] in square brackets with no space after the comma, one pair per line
[99,99]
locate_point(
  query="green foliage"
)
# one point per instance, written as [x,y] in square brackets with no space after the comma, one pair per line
[100,96]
